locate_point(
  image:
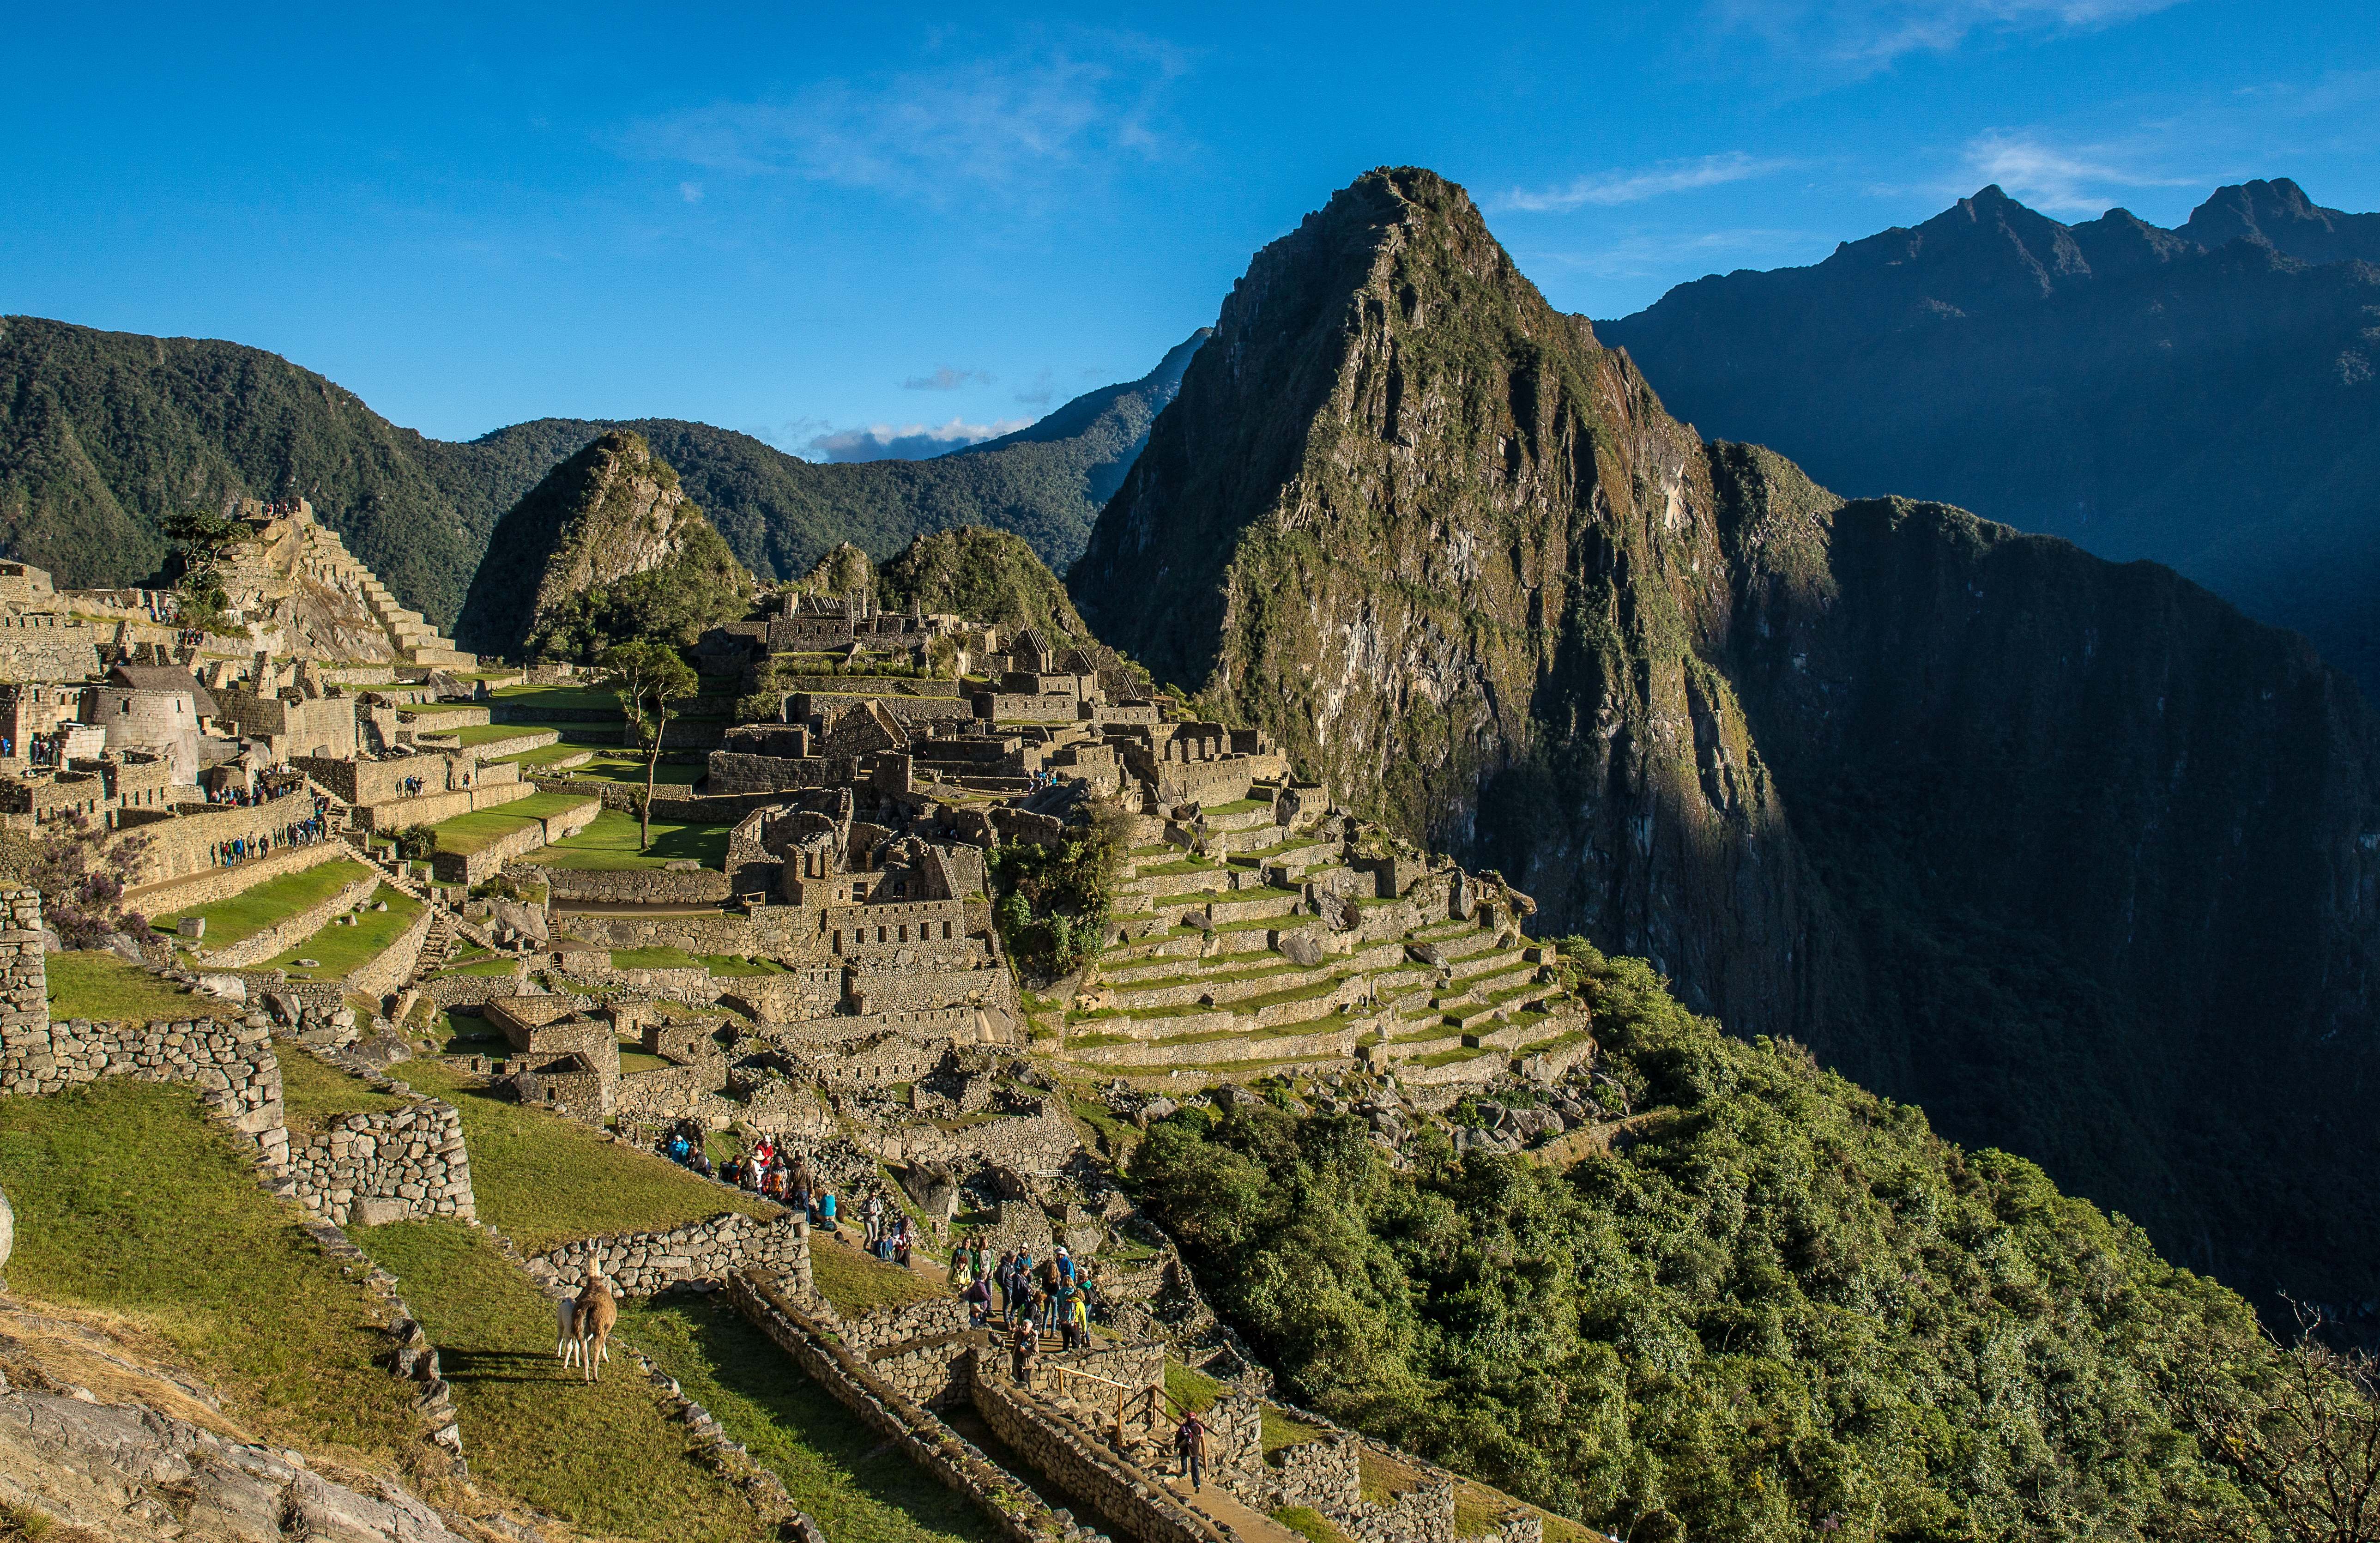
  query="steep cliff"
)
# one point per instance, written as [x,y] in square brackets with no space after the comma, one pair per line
[574,551]
[2073,854]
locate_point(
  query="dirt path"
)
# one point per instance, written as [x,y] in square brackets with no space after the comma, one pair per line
[1221,1505]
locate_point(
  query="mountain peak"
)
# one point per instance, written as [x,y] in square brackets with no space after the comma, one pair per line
[2278,215]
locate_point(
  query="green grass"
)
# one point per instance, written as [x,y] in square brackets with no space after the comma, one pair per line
[602,1456]
[569,697]
[632,772]
[489,734]
[1283,1429]
[100,986]
[470,832]
[1309,1523]
[314,1092]
[1189,1388]
[343,950]
[545,1180]
[835,1467]
[613,842]
[129,1201]
[638,1060]
[478,966]
[546,755]
[252,910]
[855,1283]
[728,967]
[443,707]
[654,959]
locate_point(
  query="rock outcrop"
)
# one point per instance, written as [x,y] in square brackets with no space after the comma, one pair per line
[610,513]
[2054,847]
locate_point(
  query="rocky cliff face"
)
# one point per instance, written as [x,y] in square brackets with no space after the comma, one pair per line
[611,510]
[2073,853]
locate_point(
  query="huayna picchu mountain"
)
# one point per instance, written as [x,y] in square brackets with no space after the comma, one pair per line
[2073,854]
[103,435]
[608,547]
[2203,396]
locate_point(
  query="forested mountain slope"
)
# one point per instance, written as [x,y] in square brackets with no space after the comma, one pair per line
[102,434]
[2203,396]
[2072,853]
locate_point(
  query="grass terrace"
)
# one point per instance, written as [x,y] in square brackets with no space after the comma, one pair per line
[151,1213]
[544,1180]
[343,950]
[100,986]
[604,1455]
[655,959]
[469,832]
[568,698]
[314,1092]
[835,1467]
[252,910]
[613,842]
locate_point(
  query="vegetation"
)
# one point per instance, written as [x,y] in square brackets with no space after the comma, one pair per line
[835,1468]
[200,537]
[647,677]
[1055,901]
[82,875]
[471,832]
[106,989]
[621,841]
[1786,1300]
[261,905]
[341,950]
[855,1283]
[149,1211]
[604,1455]
[984,575]
[543,1180]
[314,1092]
[699,587]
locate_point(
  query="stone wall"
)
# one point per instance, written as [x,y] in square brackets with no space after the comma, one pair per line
[211,885]
[233,1065]
[633,886]
[386,1167]
[289,932]
[642,1263]
[1039,1429]
[501,786]
[1010,1505]
[185,845]
[393,965]
[474,867]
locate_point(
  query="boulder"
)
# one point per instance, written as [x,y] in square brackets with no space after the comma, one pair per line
[193,928]
[7,1228]
[379,1213]
[123,947]
[50,941]
[1302,948]
[229,988]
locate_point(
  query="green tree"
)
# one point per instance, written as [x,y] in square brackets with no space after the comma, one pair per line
[647,676]
[200,540]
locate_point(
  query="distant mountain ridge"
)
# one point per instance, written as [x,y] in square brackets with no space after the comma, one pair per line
[101,434]
[2203,396]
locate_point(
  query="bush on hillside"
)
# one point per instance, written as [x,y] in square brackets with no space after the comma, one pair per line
[1055,901]
[1780,1299]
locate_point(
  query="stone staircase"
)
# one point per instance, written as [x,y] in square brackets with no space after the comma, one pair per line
[326,558]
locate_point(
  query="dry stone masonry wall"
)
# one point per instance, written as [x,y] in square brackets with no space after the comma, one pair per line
[387,1167]
[640,1264]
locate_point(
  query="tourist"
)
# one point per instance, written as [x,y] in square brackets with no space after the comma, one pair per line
[1063,1312]
[903,1241]
[826,1211]
[1004,1277]
[1022,1346]
[1190,1440]
[874,1212]
[1081,1322]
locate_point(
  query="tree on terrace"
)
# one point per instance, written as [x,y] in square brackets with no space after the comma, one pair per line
[647,676]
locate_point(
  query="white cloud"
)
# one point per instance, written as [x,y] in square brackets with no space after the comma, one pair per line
[882,442]
[1003,123]
[944,378]
[690,191]
[1858,37]
[1670,176]
[1038,391]
[2067,179]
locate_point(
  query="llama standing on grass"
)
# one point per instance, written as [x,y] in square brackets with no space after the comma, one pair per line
[565,1333]
[594,1314]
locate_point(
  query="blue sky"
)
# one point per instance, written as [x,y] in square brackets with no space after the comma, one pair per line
[816,226]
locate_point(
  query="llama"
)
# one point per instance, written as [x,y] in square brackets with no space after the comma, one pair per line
[566,1338]
[592,1324]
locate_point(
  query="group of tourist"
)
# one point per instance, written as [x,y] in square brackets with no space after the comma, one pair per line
[309,831]
[1053,1296]
[241,797]
[767,1168]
